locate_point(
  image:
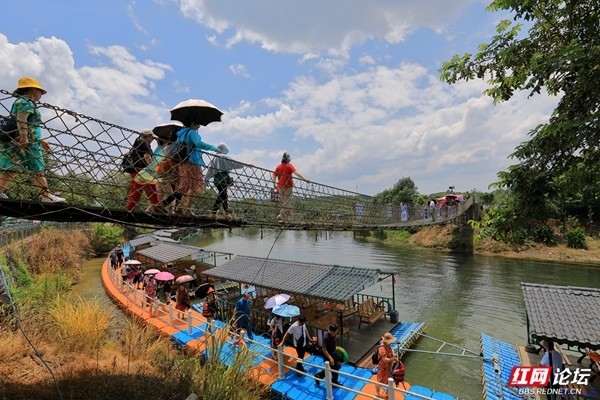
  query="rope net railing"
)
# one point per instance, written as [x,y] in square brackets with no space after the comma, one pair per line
[84,167]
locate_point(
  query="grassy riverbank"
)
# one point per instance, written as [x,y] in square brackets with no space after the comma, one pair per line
[450,238]
[55,345]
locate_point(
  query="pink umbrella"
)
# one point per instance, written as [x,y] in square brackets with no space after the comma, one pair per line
[184,278]
[151,271]
[164,276]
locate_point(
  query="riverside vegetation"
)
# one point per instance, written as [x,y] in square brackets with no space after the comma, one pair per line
[58,346]
[465,239]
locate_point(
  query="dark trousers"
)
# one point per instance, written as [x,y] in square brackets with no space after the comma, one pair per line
[334,375]
[221,197]
[301,351]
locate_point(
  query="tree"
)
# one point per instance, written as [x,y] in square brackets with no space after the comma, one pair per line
[404,191]
[560,54]
[104,237]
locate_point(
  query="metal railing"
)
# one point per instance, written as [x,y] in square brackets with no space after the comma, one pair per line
[169,317]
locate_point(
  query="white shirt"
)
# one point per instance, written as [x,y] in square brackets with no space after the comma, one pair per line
[297,330]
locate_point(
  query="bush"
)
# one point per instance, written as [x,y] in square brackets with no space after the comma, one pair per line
[575,237]
[543,234]
[105,237]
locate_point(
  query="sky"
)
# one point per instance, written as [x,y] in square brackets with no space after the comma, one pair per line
[349,88]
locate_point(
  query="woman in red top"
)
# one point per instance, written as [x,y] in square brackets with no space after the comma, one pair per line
[284,184]
[386,360]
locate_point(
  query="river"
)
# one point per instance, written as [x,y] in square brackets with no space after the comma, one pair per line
[459,297]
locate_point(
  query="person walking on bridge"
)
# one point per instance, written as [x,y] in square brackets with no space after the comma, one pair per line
[141,152]
[191,180]
[218,169]
[25,152]
[284,184]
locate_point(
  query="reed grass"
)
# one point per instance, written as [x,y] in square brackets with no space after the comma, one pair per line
[81,325]
[57,251]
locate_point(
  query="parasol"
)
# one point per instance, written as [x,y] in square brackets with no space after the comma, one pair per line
[204,289]
[286,310]
[184,279]
[164,276]
[196,110]
[276,300]
[167,131]
[151,271]
[132,262]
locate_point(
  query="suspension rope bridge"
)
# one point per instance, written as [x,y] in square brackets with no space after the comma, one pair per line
[84,166]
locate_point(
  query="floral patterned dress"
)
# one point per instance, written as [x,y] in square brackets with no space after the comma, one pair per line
[151,291]
[384,368]
[30,158]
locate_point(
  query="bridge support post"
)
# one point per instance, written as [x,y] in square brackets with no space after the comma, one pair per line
[189,321]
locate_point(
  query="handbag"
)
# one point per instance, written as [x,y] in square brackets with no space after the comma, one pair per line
[274,195]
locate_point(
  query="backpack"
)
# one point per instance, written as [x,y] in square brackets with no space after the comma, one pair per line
[177,151]
[8,129]
[375,357]
[128,163]
[398,372]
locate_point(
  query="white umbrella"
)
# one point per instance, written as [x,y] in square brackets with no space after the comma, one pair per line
[132,262]
[276,300]
[184,278]
[151,271]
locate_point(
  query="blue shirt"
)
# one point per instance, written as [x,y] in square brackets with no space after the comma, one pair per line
[193,141]
[242,307]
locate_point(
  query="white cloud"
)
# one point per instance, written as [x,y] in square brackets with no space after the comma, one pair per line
[374,127]
[239,70]
[331,27]
[119,90]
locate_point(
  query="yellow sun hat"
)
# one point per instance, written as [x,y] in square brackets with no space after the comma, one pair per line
[28,82]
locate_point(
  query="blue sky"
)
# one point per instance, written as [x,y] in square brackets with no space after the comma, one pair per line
[350,88]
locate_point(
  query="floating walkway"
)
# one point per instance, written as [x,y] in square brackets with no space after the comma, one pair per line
[193,335]
[499,358]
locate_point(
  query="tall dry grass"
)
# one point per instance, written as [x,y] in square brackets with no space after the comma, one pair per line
[80,325]
[57,251]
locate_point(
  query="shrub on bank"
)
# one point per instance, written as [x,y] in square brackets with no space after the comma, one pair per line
[575,238]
